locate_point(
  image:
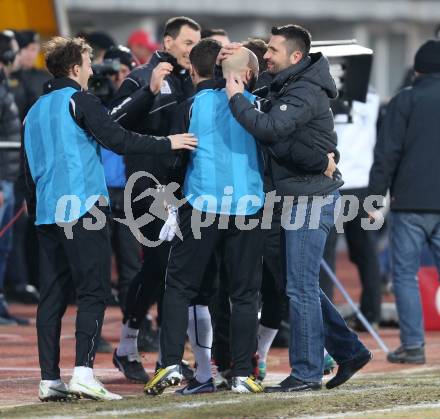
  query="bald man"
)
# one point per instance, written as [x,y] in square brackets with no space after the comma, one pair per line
[224,188]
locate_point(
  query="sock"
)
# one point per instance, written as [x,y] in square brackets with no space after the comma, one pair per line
[128,341]
[83,373]
[200,337]
[266,336]
[52,382]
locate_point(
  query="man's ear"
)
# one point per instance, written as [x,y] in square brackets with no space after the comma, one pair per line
[296,57]
[75,70]
[167,42]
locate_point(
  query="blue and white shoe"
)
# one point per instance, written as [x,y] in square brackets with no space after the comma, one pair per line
[194,387]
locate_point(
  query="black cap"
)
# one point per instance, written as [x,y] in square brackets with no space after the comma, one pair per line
[24,38]
[427,58]
[123,54]
[100,40]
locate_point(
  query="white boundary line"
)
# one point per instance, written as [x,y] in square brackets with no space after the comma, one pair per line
[237,400]
[405,408]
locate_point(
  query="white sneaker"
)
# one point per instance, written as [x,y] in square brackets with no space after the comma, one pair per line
[91,389]
[246,385]
[53,390]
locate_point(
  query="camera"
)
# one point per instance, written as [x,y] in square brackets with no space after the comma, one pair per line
[350,67]
[100,83]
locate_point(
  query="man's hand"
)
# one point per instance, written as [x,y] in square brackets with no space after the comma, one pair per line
[2,199]
[234,85]
[226,51]
[159,73]
[331,166]
[183,141]
[376,215]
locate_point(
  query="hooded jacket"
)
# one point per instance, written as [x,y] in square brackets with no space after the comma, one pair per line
[406,156]
[297,109]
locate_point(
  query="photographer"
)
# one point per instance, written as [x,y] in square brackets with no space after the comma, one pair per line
[9,163]
[111,72]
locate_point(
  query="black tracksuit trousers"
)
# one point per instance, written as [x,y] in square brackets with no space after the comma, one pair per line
[242,253]
[145,287]
[85,259]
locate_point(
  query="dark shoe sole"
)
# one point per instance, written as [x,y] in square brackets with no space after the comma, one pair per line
[203,391]
[70,397]
[160,387]
[407,361]
[291,389]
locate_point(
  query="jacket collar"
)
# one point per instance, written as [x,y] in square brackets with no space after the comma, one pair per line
[283,76]
[422,77]
[163,56]
[60,83]
[210,84]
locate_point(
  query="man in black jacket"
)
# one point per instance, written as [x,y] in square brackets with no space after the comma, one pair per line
[64,132]
[10,128]
[27,86]
[298,110]
[406,162]
[142,110]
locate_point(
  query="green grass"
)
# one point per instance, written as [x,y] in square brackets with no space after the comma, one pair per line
[367,394]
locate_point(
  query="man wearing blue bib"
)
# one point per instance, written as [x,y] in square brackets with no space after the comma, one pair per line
[64,132]
[224,187]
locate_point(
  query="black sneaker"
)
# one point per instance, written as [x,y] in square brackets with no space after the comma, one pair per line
[148,339]
[347,369]
[131,367]
[194,387]
[7,319]
[104,346]
[26,294]
[407,356]
[291,384]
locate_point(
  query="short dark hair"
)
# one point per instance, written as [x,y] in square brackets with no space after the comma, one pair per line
[204,55]
[174,25]
[259,48]
[208,32]
[298,37]
[62,54]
